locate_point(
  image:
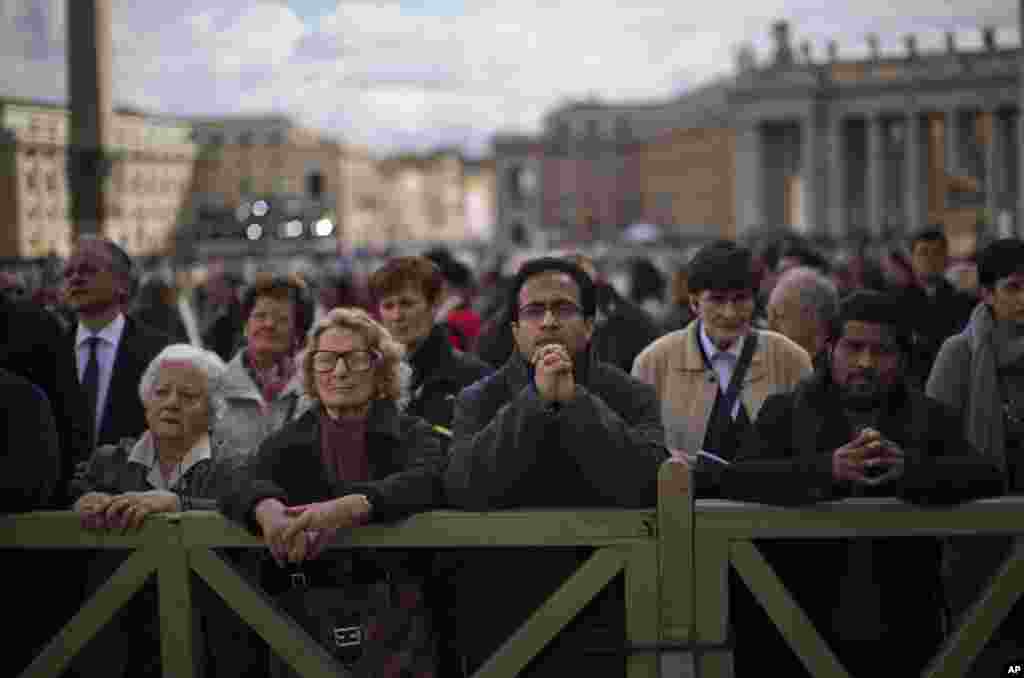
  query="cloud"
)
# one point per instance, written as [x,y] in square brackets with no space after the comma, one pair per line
[408,75]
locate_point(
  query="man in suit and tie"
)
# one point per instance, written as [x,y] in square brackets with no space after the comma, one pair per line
[111,349]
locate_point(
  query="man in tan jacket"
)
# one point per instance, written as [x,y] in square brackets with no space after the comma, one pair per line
[692,369]
[712,378]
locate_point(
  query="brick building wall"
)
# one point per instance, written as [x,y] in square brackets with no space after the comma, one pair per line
[687,178]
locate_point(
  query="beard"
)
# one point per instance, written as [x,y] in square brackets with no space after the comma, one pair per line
[864,393]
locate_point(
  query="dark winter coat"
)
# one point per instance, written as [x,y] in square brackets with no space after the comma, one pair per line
[405,466]
[405,463]
[932,319]
[32,347]
[789,462]
[439,373]
[509,450]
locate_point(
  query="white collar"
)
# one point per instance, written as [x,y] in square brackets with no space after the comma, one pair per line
[110,334]
[144,452]
[712,351]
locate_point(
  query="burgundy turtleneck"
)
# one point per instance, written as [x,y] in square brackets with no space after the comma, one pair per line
[343,448]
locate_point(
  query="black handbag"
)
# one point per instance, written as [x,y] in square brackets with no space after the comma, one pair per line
[333,614]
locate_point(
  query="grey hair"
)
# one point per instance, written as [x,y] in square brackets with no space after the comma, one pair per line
[811,290]
[207,362]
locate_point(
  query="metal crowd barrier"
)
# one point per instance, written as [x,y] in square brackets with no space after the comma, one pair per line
[675,559]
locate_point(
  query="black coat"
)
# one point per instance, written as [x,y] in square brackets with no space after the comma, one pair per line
[932,320]
[788,461]
[30,461]
[405,463]
[123,414]
[601,449]
[31,347]
[440,372]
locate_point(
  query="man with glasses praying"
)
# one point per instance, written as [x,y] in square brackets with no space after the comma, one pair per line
[554,427]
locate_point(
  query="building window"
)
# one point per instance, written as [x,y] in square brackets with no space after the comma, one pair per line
[32,180]
[315,185]
[51,181]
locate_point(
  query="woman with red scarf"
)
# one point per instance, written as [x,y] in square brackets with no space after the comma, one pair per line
[262,389]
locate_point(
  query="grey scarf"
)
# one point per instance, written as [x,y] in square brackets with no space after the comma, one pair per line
[993,345]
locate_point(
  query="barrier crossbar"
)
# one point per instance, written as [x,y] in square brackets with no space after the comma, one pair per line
[674,559]
[724,532]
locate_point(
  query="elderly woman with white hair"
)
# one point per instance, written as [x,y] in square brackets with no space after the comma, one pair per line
[170,468]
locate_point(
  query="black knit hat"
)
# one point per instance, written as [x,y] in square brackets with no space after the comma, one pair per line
[1000,259]
[879,308]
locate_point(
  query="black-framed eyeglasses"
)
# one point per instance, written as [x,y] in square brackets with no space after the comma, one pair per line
[354,361]
[85,270]
[562,311]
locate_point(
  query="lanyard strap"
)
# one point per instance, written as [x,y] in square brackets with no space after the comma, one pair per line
[739,373]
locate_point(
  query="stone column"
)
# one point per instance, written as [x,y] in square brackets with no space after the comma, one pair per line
[993,175]
[876,174]
[836,172]
[89,91]
[912,145]
[810,174]
[749,178]
[952,141]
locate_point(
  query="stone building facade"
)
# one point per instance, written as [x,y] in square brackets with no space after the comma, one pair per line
[242,158]
[836,149]
[149,176]
[879,146]
[595,156]
[175,184]
[685,177]
[517,218]
[422,199]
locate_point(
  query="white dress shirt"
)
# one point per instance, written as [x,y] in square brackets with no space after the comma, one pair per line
[723,362]
[106,351]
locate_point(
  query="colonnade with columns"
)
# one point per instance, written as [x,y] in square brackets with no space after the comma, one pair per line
[874,171]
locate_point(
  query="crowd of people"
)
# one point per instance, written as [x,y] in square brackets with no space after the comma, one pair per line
[299,408]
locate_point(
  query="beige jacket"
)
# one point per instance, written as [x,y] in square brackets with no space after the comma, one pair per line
[687,388]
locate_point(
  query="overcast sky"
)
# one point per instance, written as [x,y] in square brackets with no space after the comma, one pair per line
[414,74]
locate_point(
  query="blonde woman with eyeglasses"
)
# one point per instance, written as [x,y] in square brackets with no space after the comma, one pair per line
[351,459]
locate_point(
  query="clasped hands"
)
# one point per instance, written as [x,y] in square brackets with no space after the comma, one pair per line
[297,533]
[869,459]
[126,511]
[553,373]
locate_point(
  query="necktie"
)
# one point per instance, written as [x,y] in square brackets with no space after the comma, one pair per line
[91,384]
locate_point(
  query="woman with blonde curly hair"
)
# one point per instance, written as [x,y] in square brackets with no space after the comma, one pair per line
[352,458]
